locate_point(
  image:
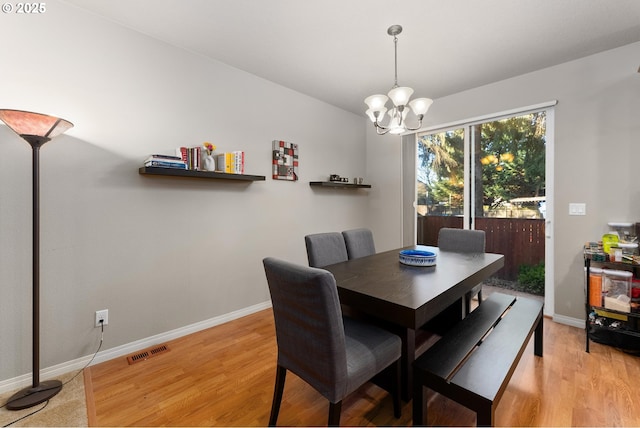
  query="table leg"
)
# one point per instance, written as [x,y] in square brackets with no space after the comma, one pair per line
[408,337]
[439,324]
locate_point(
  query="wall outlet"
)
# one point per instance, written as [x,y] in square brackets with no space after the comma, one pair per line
[103,316]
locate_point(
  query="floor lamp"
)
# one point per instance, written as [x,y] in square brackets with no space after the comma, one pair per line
[36,129]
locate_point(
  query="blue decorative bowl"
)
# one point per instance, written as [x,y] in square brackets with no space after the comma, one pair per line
[417,258]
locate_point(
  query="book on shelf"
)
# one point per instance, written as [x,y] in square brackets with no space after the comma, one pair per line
[238,159]
[165,164]
[230,162]
[159,157]
[191,156]
[224,163]
[164,161]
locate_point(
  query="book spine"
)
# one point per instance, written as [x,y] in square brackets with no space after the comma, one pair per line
[182,153]
[224,163]
[164,157]
[239,162]
[193,157]
[165,164]
[219,162]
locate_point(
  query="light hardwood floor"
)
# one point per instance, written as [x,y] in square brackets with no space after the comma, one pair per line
[224,376]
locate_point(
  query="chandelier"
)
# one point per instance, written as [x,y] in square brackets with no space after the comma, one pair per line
[400,96]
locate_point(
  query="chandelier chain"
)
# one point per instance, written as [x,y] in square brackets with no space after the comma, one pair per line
[395,47]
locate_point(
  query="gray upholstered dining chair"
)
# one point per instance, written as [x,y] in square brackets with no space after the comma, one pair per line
[359,243]
[325,249]
[334,354]
[466,241]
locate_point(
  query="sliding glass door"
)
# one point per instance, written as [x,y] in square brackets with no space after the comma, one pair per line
[487,175]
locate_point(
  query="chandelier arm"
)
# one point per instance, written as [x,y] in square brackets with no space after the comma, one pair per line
[379,128]
[417,127]
[399,111]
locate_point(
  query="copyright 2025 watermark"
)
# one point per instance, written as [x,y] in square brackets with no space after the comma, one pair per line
[24,8]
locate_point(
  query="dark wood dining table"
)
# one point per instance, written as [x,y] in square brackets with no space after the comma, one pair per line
[408,297]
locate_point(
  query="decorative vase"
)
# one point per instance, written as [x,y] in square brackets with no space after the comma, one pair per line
[209,163]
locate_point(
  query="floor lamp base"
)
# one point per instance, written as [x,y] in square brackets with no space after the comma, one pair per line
[31,396]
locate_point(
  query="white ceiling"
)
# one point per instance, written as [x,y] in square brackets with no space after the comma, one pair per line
[339,51]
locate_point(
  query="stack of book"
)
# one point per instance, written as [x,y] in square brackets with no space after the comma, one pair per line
[165,161]
[231,162]
[191,156]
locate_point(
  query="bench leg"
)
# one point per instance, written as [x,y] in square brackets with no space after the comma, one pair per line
[539,333]
[418,404]
[484,417]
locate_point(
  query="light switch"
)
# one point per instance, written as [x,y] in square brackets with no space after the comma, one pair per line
[577,209]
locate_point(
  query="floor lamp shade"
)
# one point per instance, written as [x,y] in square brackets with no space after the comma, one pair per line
[36,129]
[27,124]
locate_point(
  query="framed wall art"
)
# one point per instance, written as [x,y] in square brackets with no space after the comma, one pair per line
[284,161]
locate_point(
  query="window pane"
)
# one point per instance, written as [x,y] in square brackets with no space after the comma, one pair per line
[440,173]
[510,167]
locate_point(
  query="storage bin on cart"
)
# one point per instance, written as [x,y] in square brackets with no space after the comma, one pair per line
[626,231]
[616,289]
[595,286]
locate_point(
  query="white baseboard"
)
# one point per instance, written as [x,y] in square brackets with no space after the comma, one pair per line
[573,322]
[108,354]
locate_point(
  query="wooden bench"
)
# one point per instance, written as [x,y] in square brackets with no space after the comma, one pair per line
[473,362]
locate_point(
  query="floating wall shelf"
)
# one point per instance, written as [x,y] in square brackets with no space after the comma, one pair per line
[339,184]
[173,172]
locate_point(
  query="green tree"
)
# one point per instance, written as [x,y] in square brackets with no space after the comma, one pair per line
[441,168]
[513,158]
[510,163]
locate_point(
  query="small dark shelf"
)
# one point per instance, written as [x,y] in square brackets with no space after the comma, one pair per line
[173,172]
[595,329]
[602,259]
[626,340]
[339,184]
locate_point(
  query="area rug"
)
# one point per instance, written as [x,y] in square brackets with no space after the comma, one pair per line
[66,409]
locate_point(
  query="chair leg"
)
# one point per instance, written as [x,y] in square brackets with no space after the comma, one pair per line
[395,390]
[467,300]
[281,374]
[334,413]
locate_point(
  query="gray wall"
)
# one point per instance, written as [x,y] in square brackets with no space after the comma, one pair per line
[159,253]
[596,155]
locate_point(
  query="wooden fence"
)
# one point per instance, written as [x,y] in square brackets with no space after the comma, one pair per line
[520,240]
